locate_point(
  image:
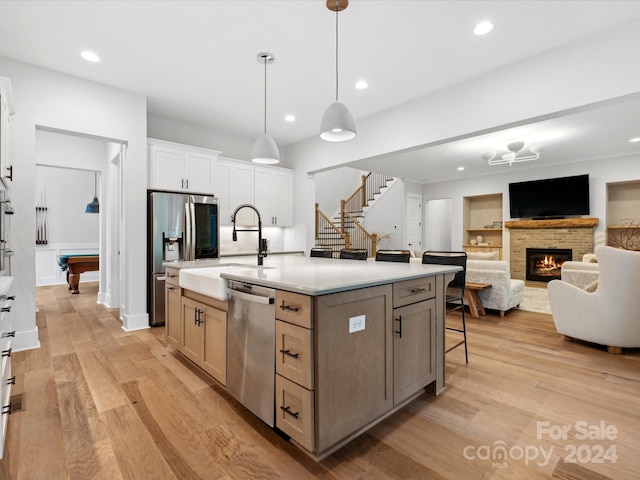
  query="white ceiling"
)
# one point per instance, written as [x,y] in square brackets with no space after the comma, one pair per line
[196,60]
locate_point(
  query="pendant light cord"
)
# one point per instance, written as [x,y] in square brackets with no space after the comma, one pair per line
[265,95]
[337,7]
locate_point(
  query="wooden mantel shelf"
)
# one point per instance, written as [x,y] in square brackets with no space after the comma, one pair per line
[559,223]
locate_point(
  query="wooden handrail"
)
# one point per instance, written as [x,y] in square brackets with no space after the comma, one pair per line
[360,238]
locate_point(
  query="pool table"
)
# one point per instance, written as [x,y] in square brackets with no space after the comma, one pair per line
[77,264]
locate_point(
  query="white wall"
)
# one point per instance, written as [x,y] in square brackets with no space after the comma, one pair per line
[231,146]
[55,101]
[388,216]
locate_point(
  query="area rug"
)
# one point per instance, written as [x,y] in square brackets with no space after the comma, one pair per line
[535,300]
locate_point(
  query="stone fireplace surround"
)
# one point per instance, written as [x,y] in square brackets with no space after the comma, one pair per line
[572,233]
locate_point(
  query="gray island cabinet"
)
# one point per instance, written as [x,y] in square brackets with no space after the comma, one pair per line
[354,342]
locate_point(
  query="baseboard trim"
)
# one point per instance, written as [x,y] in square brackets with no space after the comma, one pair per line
[131,323]
[26,340]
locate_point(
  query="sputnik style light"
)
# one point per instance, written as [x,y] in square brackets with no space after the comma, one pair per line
[337,123]
[513,155]
[265,149]
[94,205]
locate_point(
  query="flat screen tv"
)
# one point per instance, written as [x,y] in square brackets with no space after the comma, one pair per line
[550,198]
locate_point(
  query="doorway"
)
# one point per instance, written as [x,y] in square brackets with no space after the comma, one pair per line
[72,169]
[414,221]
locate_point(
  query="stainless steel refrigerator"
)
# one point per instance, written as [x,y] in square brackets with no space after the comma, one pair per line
[181,227]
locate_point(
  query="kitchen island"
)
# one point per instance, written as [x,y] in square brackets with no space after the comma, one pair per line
[354,341]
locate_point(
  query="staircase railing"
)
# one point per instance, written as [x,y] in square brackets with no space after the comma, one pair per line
[350,233]
[328,234]
[361,238]
[370,185]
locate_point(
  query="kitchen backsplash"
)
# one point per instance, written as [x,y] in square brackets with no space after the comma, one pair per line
[248,241]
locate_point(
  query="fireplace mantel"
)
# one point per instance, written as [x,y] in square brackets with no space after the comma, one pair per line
[558,223]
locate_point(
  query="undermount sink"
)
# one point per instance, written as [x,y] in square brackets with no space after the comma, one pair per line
[207,280]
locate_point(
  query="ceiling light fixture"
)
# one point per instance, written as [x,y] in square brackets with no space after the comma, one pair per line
[483,28]
[361,85]
[90,56]
[290,118]
[635,139]
[513,155]
[337,123]
[265,149]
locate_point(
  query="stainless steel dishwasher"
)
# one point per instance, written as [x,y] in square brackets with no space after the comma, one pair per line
[251,348]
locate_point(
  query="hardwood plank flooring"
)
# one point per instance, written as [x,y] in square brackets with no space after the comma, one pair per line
[102,403]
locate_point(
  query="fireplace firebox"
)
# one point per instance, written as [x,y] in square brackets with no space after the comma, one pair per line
[543,264]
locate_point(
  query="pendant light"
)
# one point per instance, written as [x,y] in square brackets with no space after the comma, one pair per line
[94,206]
[337,123]
[265,149]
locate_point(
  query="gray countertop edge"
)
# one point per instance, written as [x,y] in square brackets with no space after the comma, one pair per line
[338,288]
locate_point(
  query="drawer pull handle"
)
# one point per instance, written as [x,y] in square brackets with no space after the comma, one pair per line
[11,297]
[288,410]
[289,308]
[6,353]
[287,352]
[6,409]
[5,309]
[417,290]
[11,381]
[9,334]
[399,331]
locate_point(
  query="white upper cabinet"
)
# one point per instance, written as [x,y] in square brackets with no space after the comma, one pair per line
[6,110]
[274,195]
[179,168]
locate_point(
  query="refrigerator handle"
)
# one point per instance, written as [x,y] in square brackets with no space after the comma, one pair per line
[188,241]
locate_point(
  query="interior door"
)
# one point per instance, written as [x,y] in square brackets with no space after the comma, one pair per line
[414,221]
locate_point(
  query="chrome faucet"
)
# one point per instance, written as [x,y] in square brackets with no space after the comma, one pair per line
[262,243]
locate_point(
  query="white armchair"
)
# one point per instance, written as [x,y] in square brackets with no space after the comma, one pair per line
[609,316]
[505,293]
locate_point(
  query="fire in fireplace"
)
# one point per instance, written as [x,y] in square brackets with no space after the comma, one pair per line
[543,264]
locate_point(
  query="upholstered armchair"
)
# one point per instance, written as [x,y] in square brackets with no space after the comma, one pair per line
[611,314]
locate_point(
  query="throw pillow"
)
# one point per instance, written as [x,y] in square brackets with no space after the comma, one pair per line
[483,255]
[591,287]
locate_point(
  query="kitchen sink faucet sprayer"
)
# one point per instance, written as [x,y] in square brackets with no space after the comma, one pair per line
[262,244]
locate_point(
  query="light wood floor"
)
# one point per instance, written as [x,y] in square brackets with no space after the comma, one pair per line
[101,403]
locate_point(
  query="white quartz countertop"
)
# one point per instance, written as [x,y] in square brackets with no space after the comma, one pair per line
[301,274]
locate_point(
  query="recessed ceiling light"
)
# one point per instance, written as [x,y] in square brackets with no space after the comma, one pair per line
[460,169]
[90,56]
[635,139]
[361,84]
[290,118]
[483,28]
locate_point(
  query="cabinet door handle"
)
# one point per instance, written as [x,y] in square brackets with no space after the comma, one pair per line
[187,182]
[288,353]
[11,381]
[171,288]
[5,309]
[6,409]
[6,353]
[399,331]
[288,307]
[10,297]
[287,409]
[9,334]
[10,174]
[417,290]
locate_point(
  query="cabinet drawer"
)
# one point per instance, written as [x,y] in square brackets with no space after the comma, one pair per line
[293,308]
[294,353]
[294,411]
[171,276]
[412,291]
